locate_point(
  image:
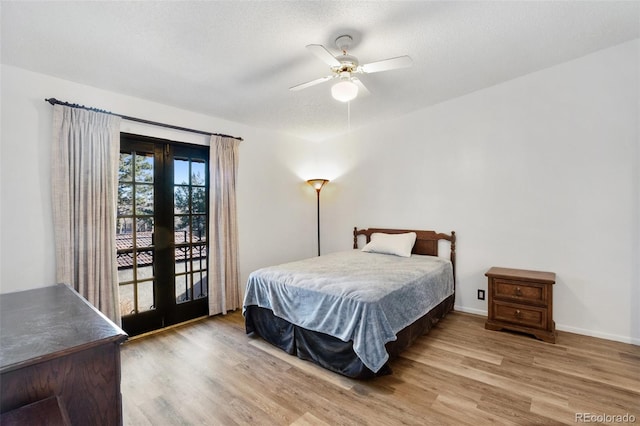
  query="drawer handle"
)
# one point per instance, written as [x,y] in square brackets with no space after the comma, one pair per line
[518,314]
[518,291]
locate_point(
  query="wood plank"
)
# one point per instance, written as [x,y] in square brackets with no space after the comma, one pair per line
[211,372]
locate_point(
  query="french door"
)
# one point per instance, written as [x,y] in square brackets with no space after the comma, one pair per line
[161,233]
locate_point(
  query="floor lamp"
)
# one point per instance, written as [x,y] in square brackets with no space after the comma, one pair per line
[317,185]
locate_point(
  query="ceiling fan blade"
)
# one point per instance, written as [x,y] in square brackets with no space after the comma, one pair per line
[362,90]
[387,64]
[311,83]
[323,54]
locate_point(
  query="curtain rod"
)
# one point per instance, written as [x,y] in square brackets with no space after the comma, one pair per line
[54,101]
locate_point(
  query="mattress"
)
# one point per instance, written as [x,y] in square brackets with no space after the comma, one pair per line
[363,298]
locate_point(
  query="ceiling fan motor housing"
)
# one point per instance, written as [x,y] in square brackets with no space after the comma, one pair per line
[347,63]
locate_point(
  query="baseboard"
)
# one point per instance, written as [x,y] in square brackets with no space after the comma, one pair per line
[569,329]
[598,334]
[470,310]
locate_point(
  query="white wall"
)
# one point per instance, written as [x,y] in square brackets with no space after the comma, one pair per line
[276,209]
[540,172]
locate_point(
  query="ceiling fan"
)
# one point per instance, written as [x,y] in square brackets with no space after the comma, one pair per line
[345,66]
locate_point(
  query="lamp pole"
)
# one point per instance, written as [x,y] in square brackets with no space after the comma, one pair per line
[318,216]
[317,184]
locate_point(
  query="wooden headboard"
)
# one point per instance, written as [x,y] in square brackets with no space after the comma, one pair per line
[426,241]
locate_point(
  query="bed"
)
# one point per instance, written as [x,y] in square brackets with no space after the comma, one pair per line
[353,312]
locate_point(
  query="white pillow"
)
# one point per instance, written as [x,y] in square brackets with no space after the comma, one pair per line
[396,244]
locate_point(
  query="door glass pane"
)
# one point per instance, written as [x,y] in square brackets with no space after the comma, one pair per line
[144,232]
[198,200]
[188,265]
[200,286]
[199,262]
[181,199]
[182,229]
[181,254]
[182,287]
[198,175]
[125,263]
[199,229]
[200,253]
[145,296]
[126,299]
[144,199]
[125,199]
[124,233]
[125,167]
[144,167]
[144,264]
[181,172]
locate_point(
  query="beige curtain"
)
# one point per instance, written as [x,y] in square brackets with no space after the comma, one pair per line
[224,275]
[85,153]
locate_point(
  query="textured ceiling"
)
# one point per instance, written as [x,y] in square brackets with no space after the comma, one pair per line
[236,59]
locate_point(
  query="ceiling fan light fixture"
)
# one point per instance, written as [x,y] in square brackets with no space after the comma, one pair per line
[344,91]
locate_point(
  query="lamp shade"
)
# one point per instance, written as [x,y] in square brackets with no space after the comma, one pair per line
[344,91]
[317,183]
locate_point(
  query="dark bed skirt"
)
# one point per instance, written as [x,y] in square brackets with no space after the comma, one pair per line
[331,352]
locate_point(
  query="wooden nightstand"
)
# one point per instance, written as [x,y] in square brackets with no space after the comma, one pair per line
[522,300]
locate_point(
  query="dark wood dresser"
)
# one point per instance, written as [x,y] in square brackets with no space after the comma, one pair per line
[522,300]
[59,359]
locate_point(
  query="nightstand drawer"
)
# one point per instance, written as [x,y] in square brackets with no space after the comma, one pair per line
[528,316]
[519,291]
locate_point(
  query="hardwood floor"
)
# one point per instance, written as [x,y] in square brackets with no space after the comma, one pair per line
[211,373]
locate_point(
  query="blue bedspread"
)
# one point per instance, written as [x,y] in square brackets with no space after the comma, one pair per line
[362,297]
